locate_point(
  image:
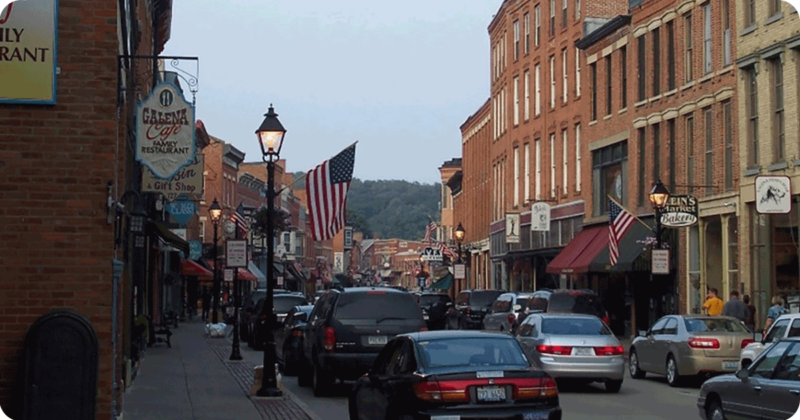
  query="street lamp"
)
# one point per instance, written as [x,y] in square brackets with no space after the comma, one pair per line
[216,214]
[658,197]
[459,233]
[270,138]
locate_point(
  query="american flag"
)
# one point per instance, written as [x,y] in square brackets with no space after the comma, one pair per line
[326,188]
[446,251]
[241,222]
[619,221]
[429,231]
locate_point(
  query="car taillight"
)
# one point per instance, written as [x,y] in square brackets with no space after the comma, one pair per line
[423,329]
[609,351]
[443,391]
[530,389]
[511,319]
[297,333]
[606,319]
[330,338]
[703,343]
[747,341]
[560,350]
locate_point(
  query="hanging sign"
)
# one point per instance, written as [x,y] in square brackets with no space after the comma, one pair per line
[229,274]
[432,254]
[181,210]
[512,228]
[660,261]
[188,182]
[540,217]
[460,271]
[236,253]
[195,250]
[165,131]
[773,194]
[679,211]
[28,35]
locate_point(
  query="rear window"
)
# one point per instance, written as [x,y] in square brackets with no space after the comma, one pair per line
[471,352]
[484,298]
[374,306]
[574,326]
[538,304]
[522,302]
[578,303]
[426,300]
[285,303]
[714,325]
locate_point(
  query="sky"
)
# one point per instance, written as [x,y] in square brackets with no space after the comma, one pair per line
[398,77]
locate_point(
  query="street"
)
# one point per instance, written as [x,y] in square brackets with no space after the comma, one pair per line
[647,399]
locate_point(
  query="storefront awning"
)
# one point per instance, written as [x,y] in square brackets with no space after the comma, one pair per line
[629,250]
[191,268]
[444,283]
[162,231]
[588,251]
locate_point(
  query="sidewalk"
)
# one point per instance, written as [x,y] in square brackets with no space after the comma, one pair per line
[195,380]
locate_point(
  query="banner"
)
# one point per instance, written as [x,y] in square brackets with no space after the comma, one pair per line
[28,32]
[165,130]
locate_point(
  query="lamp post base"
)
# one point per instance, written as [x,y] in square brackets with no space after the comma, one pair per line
[269,392]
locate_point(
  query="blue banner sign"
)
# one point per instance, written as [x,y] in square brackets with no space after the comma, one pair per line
[181,210]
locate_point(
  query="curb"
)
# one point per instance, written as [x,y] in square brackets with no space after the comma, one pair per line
[295,399]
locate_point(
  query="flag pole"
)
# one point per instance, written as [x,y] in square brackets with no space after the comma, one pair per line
[634,216]
[305,175]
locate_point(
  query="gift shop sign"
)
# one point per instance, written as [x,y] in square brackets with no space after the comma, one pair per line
[165,131]
[680,211]
[188,182]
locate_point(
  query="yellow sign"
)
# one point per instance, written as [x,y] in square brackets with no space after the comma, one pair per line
[28,52]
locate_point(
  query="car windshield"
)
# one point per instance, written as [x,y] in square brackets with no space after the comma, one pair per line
[377,305]
[484,298]
[714,325]
[574,326]
[523,302]
[283,304]
[459,351]
[426,300]
[577,303]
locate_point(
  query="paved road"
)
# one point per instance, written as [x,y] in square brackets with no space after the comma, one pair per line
[647,399]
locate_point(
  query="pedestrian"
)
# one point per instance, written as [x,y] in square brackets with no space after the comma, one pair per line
[735,307]
[775,311]
[750,322]
[206,304]
[713,305]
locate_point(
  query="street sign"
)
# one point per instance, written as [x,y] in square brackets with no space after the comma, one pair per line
[660,260]
[431,254]
[236,253]
[229,274]
[181,210]
[460,271]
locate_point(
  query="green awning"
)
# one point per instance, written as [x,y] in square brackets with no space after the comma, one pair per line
[631,253]
[444,283]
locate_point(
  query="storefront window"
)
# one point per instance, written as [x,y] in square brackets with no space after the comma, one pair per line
[695,297]
[566,231]
[785,251]
[733,254]
[760,270]
[555,233]
[610,175]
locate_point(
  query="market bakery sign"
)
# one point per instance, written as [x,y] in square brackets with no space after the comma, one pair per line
[165,131]
[680,211]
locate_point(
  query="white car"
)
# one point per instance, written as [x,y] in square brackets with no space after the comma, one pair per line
[785,326]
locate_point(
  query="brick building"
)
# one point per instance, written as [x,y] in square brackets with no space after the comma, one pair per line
[450,174]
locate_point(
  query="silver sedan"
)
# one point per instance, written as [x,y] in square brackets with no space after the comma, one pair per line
[679,346]
[574,346]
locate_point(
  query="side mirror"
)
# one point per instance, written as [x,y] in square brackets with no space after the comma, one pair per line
[742,374]
[643,333]
[517,308]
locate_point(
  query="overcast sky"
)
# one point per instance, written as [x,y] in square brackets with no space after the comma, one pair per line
[399,77]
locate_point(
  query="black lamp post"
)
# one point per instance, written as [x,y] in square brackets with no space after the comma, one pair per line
[658,197]
[459,233]
[270,138]
[216,214]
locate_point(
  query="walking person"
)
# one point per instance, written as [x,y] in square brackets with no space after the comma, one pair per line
[206,304]
[713,305]
[750,322]
[776,310]
[735,307]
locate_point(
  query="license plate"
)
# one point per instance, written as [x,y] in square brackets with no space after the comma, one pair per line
[583,351]
[377,340]
[425,317]
[535,416]
[730,365]
[491,393]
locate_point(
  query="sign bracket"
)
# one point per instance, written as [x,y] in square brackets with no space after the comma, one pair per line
[179,66]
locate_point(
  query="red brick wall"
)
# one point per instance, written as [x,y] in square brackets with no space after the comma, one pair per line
[473,205]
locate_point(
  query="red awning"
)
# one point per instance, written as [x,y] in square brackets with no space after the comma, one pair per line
[579,253]
[191,268]
[243,274]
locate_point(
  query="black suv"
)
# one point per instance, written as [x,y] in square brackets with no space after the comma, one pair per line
[348,328]
[473,305]
[434,309]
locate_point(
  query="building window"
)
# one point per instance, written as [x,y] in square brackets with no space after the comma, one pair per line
[707,37]
[623,69]
[749,13]
[203,231]
[709,126]
[537,81]
[609,88]
[774,7]
[552,18]
[527,45]
[728,133]
[733,252]
[503,117]
[751,86]
[516,40]
[670,55]
[537,12]
[726,33]
[688,41]
[656,61]
[564,84]
[671,148]
[656,152]
[516,176]
[565,161]
[641,68]
[578,157]
[552,166]
[690,150]
[776,80]
[527,111]
[642,179]
[538,189]
[577,9]
[564,13]
[527,187]
[577,72]
[516,100]
[593,89]
[609,176]
[552,81]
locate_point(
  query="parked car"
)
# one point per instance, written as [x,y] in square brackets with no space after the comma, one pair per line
[289,339]
[679,346]
[473,305]
[567,301]
[248,315]
[346,330]
[505,311]
[767,389]
[434,309]
[454,375]
[785,326]
[281,304]
[574,346]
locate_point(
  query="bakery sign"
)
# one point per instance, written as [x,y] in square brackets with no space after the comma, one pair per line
[679,211]
[773,194]
[165,131]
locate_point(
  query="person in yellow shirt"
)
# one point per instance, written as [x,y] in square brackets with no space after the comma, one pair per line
[713,305]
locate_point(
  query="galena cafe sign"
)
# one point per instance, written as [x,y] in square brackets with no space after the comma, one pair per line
[679,211]
[165,131]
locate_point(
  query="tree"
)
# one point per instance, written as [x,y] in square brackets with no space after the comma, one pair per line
[358,223]
[282,222]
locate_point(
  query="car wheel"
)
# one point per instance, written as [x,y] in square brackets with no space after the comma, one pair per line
[673,377]
[613,386]
[633,366]
[321,381]
[714,410]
